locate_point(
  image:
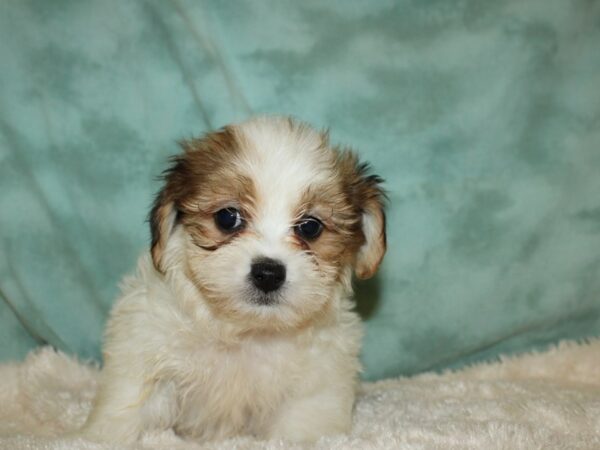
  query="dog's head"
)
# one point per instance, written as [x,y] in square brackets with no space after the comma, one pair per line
[273,221]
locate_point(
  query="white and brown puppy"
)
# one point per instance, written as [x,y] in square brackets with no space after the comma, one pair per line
[239,320]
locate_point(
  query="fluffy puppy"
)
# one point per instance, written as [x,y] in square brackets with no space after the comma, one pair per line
[239,320]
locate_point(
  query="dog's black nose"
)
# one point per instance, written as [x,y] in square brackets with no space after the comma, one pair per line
[267,274]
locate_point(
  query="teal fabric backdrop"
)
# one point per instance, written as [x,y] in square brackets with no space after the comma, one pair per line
[483,117]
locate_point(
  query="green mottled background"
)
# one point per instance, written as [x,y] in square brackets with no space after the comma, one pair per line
[483,117]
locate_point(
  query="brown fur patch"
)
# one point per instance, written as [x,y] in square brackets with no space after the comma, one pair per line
[341,225]
[199,183]
[341,205]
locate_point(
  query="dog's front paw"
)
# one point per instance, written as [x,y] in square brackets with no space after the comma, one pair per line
[107,432]
[308,419]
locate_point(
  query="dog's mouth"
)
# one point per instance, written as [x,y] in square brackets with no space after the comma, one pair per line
[265,299]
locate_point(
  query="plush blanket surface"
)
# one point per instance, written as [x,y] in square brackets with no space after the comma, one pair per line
[537,400]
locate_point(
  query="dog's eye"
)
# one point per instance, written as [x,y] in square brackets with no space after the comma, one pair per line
[228,219]
[309,228]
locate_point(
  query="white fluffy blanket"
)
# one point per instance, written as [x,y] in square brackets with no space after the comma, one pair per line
[542,400]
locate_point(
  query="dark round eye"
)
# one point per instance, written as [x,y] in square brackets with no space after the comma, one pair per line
[309,228]
[228,219]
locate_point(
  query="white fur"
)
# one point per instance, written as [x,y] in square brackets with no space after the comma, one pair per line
[222,366]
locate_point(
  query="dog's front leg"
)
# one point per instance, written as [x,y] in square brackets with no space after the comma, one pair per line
[125,406]
[305,419]
[116,413]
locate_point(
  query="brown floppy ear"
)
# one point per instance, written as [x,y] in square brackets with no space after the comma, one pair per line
[372,199]
[163,215]
[162,221]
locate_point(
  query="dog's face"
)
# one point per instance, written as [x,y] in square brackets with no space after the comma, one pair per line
[273,222]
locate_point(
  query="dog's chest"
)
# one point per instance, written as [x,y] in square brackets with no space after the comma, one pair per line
[227,390]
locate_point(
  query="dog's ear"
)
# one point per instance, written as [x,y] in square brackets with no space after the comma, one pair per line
[164,213]
[162,221]
[371,253]
[369,198]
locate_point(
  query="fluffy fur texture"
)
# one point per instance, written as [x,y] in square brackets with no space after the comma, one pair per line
[535,401]
[193,344]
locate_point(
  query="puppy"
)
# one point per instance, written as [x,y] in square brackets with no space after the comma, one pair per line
[239,320]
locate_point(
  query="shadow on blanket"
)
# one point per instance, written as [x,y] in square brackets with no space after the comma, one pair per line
[538,400]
